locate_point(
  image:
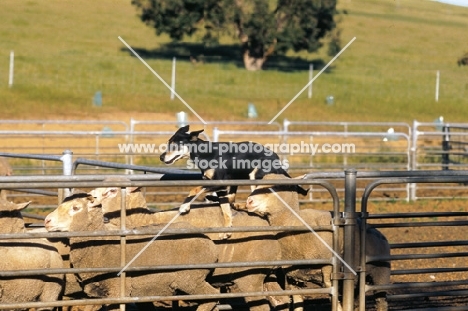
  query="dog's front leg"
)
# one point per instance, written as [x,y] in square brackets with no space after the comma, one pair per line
[193,195]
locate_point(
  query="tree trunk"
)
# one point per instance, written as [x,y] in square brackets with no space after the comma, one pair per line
[255,57]
[253,63]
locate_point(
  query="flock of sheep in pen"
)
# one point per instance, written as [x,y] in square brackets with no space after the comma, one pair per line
[99,210]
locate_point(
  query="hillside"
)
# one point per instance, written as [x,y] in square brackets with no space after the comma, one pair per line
[66,51]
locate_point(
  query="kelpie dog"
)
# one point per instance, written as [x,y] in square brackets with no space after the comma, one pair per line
[221,161]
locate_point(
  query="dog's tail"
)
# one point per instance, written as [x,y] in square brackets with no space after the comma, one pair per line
[299,189]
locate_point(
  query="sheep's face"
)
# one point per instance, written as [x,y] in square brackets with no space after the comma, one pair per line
[271,199]
[103,194]
[71,214]
[110,197]
[258,200]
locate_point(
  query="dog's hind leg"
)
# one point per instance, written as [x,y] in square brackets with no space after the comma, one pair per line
[227,216]
[231,195]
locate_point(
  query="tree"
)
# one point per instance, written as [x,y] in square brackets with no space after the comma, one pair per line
[262,29]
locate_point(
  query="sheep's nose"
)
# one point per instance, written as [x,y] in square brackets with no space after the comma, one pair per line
[46,221]
[249,201]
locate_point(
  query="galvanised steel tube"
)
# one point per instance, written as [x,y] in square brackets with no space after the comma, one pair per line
[276,263]
[412,177]
[148,232]
[94,181]
[349,239]
[103,301]
[187,174]
[419,285]
[123,243]
[97,181]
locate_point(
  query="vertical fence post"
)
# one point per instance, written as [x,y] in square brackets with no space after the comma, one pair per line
[215,134]
[349,239]
[67,164]
[123,243]
[311,76]
[12,66]
[445,147]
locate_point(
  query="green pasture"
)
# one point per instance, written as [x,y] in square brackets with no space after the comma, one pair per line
[66,51]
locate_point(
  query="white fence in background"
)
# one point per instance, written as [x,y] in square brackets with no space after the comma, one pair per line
[377,146]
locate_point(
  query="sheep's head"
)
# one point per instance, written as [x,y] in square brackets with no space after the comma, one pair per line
[74,214]
[10,216]
[264,198]
[110,197]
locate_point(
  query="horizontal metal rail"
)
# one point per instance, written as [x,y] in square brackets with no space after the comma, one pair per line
[417,214]
[181,174]
[422,224]
[418,256]
[148,231]
[161,268]
[417,285]
[428,270]
[104,301]
[429,244]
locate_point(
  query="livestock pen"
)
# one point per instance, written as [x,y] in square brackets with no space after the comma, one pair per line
[377,146]
[428,269]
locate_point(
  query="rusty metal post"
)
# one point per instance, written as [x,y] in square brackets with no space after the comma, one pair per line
[349,239]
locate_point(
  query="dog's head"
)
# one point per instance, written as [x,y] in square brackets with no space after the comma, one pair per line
[178,146]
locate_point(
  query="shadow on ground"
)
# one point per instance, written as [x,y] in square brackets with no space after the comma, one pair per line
[223,54]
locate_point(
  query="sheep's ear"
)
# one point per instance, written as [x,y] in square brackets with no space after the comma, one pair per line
[133,189]
[22,206]
[10,206]
[92,202]
[110,192]
[194,135]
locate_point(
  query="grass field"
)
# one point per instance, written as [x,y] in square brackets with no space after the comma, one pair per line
[65,51]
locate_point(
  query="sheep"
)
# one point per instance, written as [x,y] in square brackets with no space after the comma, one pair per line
[242,246]
[263,202]
[11,218]
[26,254]
[80,212]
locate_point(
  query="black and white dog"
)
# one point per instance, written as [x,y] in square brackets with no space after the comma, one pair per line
[222,161]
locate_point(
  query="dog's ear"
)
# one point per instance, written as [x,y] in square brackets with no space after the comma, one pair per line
[194,135]
[184,129]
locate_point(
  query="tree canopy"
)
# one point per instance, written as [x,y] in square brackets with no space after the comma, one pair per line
[263,29]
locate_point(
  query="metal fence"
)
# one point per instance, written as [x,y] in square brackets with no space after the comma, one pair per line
[67,182]
[376,146]
[440,282]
